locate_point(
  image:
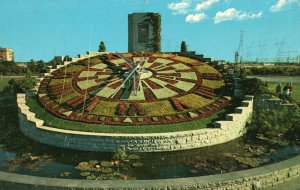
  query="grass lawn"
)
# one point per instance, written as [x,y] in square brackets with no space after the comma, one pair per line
[53,121]
[295,93]
[4,81]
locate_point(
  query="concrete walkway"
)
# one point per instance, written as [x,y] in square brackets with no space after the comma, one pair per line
[282,79]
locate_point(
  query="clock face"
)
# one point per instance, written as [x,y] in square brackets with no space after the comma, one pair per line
[133,88]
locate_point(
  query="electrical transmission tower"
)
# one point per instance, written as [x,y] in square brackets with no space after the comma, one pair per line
[279,52]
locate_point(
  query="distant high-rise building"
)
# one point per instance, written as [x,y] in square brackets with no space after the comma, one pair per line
[144,32]
[6,54]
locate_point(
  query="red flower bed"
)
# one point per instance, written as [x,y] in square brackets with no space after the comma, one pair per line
[92,104]
[74,102]
[211,76]
[60,87]
[186,80]
[166,69]
[173,63]
[87,78]
[206,88]
[179,106]
[167,80]
[152,84]
[186,71]
[204,94]
[91,89]
[137,54]
[63,93]
[121,109]
[196,63]
[125,65]
[154,65]
[148,54]
[110,56]
[118,95]
[179,91]
[170,74]
[135,109]
[116,84]
[103,73]
[149,95]
[172,56]
[151,59]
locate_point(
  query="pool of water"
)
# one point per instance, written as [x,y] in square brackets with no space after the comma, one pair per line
[21,155]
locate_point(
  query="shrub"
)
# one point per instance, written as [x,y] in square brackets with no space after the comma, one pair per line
[273,122]
[253,86]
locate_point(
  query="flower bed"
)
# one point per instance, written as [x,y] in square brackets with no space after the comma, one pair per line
[174,92]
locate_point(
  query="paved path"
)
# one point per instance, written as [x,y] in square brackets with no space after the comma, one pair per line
[293,184]
[282,79]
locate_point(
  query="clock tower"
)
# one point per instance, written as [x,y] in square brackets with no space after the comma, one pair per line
[144,32]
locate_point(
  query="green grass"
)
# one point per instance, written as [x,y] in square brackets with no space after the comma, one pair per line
[295,93]
[4,82]
[56,122]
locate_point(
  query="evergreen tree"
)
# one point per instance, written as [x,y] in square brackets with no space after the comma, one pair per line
[102,47]
[183,47]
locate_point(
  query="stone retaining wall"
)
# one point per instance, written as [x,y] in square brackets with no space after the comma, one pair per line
[251,179]
[224,131]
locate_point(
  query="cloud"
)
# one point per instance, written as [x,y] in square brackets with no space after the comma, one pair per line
[206,4]
[282,3]
[194,18]
[179,8]
[233,14]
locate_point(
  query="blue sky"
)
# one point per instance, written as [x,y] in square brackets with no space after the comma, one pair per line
[41,29]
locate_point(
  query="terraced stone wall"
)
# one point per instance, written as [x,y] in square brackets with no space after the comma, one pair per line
[224,131]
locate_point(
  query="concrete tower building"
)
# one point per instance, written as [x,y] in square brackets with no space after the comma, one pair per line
[143,33]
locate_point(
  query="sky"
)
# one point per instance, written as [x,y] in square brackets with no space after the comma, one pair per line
[259,29]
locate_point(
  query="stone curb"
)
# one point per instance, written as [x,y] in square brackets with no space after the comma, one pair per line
[251,179]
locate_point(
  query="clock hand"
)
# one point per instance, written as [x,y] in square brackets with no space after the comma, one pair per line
[127,61]
[137,84]
[116,91]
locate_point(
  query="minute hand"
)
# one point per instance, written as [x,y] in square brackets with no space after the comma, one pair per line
[116,91]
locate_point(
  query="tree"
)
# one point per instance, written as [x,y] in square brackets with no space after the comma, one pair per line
[19,85]
[102,47]
[183,47]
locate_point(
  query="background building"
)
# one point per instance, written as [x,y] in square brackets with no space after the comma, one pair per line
[144,32]
[6,54]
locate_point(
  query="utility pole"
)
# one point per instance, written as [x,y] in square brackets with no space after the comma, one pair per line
[241,44]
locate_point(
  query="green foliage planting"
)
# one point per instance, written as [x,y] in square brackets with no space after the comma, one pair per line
[19,85]
[155,20]
[275,70]
[36,67]
[183,47]
[274,123]
[102,47]
[253,86]
[11,68]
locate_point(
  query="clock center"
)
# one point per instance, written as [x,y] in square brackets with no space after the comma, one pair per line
[142,72]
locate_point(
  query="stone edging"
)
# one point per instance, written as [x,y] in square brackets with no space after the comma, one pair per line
[251,179]
[224,131]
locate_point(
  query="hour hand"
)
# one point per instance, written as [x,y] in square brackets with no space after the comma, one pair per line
[127,61]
